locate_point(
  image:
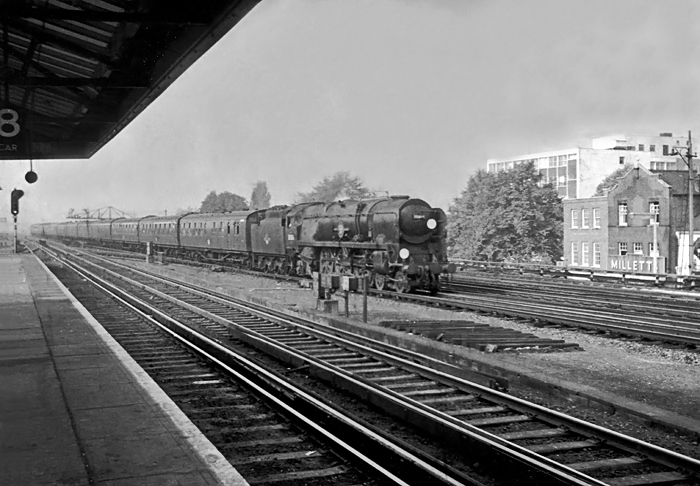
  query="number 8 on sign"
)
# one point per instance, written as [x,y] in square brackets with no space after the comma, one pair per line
[8,123]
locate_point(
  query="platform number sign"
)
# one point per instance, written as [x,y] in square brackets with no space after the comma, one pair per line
[9,123]
[11,134]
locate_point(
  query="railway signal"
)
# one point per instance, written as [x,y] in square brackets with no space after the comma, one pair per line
[14,209]
[14,201]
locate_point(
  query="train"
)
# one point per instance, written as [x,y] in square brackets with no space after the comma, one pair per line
[399,241]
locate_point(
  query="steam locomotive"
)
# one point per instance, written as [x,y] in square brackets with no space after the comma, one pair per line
[399,241]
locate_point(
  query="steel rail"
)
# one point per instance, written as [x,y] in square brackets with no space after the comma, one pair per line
[546,469]
[214,351]
[669,458]
[589,296]
[349,340]
[608,321]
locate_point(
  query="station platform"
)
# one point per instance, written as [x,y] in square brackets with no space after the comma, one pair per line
[75,409]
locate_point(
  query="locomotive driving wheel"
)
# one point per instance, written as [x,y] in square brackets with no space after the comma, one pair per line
[379,281]
[401,282]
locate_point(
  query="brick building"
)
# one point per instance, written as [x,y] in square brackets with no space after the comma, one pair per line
[616,231]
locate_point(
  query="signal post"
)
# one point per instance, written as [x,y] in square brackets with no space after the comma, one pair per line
[14,209]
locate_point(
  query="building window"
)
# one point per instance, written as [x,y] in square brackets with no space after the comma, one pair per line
[652,251]
[654,210]
[638,248]
[622,214]
[596,254]
[660,165]
[574,253]
[665,147]
[585,218]
[584,255]
[622,248]
[596,218]
[574,218]
[622,160]
[641,147]
[652,148]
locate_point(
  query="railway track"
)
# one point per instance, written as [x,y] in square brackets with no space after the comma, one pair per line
[646,315]
[539,444]
[639,300]
[272,431]
[649,316]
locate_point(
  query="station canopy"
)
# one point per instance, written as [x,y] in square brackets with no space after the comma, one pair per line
[73,73]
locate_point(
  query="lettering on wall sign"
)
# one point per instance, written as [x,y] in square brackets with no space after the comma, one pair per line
[636,264]
[9,123]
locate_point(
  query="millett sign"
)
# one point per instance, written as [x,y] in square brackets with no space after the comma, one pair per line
[636,264]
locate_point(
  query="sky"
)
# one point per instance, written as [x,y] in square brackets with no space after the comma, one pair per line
[411,96]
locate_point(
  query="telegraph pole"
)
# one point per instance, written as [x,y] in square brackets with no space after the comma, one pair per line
[691,214]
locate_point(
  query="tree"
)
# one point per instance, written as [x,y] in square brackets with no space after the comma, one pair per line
[224,202]
[260,198]
[209,205]
[232,202]
[340,185]
[507,216]
[611,180]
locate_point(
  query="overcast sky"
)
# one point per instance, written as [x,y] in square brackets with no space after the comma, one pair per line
[412,96]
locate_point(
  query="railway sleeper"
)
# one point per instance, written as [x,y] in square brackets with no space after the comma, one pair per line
[476,411]
[273,458]
[507,419]
[300,475]
[562,446]
[410,384]
[395,378]
[534,434]
[613,463]
[655,479]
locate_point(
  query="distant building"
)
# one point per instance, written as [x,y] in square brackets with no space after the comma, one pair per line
[6,232]
[576,172]
[616,231]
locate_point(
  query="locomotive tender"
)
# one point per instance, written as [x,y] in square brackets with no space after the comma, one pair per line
[401,242]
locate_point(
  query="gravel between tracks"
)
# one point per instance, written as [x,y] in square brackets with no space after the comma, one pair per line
[666,378]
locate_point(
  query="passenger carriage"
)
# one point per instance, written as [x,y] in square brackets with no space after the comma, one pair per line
[216,236]
[126,232]
[160,231]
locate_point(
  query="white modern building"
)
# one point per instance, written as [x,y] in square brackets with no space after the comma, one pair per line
[576,172]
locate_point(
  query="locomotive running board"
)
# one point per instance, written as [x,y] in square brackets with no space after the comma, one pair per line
[343,244]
